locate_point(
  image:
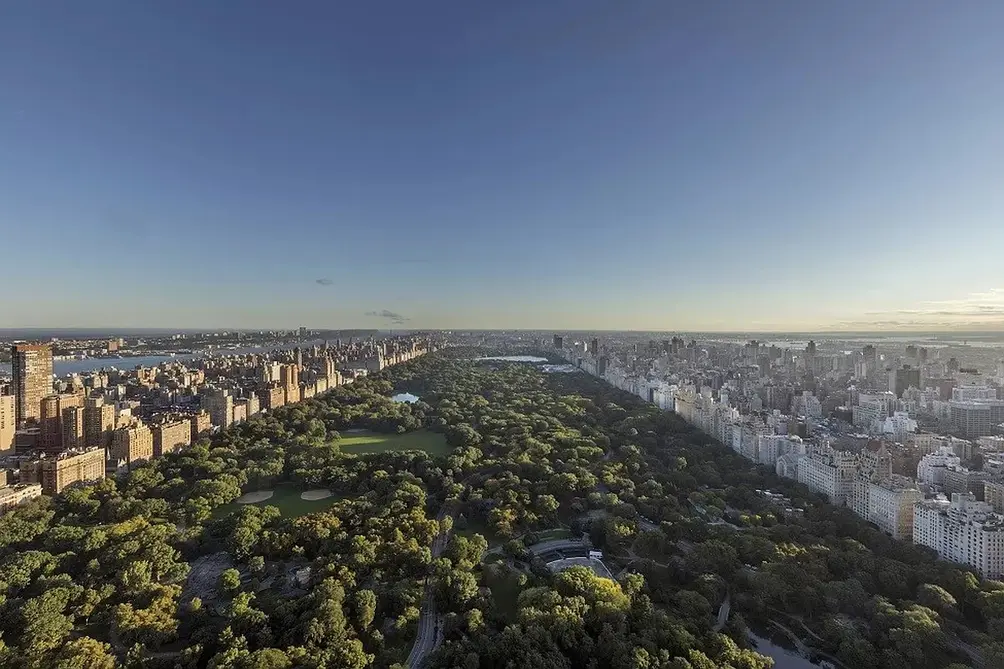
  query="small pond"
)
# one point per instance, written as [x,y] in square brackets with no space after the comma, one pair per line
[405,397]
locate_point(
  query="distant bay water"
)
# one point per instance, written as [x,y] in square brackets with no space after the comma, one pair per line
[64,367]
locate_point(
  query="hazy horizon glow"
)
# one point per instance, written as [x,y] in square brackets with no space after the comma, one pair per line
[577,164]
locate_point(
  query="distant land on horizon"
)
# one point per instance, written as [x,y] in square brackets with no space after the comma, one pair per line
[97,333]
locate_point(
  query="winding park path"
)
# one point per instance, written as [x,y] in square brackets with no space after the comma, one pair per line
[429,624]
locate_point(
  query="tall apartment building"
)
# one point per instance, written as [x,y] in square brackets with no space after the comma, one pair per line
[12,495]
[8,423]
[99,422]
[171,436]
[74,434]
[272,398]
[963,530]
[976,411]
[289,377]
[888,503]
[132,445]
[961,480]
[932,467]
[993,494]
[57,472]
[240,411]
[201,424]
[770,447]
[31,365]
[220,405]
[903,378]
[51,419]
[829,472]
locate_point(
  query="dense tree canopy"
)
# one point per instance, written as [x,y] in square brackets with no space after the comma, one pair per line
[159,569]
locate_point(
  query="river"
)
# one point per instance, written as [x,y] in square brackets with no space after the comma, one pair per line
[64,367]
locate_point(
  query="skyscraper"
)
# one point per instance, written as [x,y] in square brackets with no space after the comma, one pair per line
[902,378]
[32,370]
[6,422]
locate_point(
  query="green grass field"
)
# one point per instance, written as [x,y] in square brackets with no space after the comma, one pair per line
[285,496]
[551,535]
[477,526]
[360,443]
[505,590]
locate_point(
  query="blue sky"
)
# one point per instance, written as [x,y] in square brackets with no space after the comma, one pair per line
[570,164]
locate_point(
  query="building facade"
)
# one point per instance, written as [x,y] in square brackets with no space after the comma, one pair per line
[132,446]
[56,473]
[12,495]
[963,530]
[171,436]
[829,472]
[8,423]
[99,422]
[31,368]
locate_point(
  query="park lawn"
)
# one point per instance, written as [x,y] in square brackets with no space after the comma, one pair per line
[361,443]
[505,591]
[286,497]
[556,533]
[477,526]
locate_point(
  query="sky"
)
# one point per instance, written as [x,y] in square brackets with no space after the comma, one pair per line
[574,164]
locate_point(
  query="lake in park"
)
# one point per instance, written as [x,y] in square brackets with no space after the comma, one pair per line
[405,397]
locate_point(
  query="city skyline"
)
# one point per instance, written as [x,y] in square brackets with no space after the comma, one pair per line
[568,166]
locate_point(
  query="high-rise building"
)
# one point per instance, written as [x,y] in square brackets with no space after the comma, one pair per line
[31,365]
[887,502]
[558,341]
[272,397]
[12,495]
[902,378]
[56,473]
[289,377]
[829,472]
[171,436]
[594,347]
[993,494]
[99,422]
[220,405]
[132,445]
[976,411]
[964,531]
[74,424]
[932,466]
[8,423]
[51,419]
[201,424]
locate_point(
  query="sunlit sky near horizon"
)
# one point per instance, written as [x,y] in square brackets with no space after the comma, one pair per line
[573,164]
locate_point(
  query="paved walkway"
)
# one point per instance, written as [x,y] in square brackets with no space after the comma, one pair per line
[430,624]
[723,612]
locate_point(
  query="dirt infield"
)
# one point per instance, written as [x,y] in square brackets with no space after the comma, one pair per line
[254,497]
[312,495]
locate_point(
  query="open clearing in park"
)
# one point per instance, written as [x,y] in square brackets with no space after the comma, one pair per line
[285,496]
[360,443]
